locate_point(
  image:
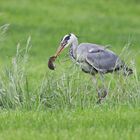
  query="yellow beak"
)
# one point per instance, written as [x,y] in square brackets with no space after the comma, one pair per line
[59,50]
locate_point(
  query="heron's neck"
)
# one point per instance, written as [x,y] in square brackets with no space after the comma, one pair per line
[73,48]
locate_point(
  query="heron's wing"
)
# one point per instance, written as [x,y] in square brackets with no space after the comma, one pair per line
[103,59]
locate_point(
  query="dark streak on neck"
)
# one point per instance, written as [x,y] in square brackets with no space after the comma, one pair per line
[71,53]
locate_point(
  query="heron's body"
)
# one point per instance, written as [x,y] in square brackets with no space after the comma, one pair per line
[94,58]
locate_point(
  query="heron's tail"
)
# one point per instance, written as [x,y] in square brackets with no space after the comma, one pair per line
[128,71]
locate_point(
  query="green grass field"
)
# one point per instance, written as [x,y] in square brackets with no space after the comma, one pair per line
[36,103]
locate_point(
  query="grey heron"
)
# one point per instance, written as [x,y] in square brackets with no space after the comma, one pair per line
[91,58]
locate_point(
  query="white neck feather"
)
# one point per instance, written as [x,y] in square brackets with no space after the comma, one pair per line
[74,45]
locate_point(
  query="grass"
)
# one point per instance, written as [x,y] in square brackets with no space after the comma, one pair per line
[101,123]
[37,103]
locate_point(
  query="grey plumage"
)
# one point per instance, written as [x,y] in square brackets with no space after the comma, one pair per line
[95,58]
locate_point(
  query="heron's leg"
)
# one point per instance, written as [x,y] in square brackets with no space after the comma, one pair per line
[95,82]
[103,91]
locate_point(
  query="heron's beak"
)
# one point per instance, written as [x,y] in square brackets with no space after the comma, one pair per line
[60,49]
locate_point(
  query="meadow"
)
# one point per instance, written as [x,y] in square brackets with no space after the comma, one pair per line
[37,103]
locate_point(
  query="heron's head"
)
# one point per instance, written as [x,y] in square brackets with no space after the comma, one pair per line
[66,41]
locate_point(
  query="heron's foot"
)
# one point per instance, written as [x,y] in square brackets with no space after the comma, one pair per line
[102,93]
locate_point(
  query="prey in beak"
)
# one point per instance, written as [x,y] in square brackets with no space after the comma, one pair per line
[64,43]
